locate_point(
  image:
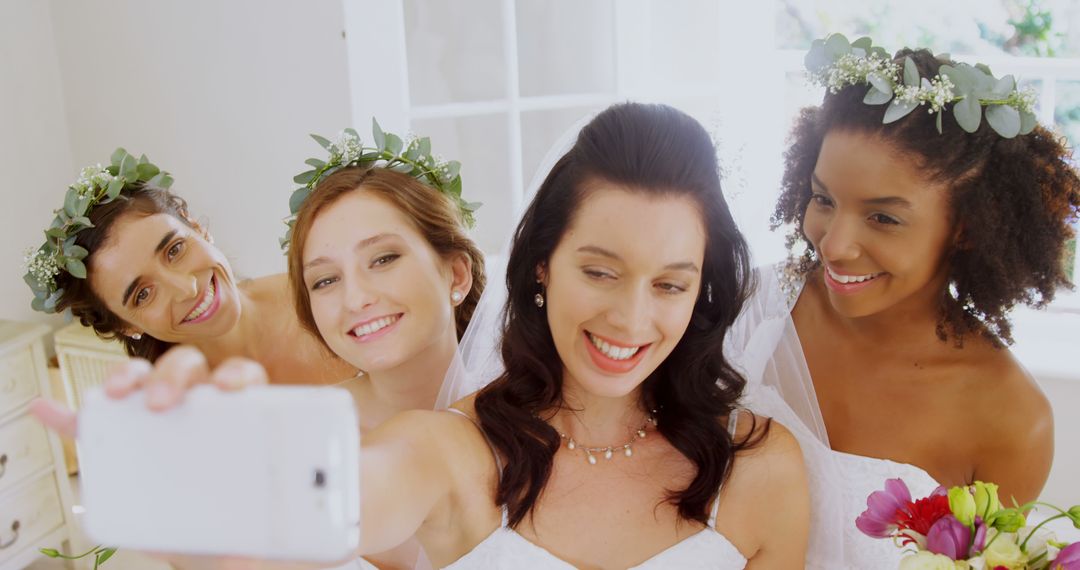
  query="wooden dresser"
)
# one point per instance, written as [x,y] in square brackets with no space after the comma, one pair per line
[35,497]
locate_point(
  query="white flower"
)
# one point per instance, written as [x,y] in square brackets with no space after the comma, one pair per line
[926,560]
[41,266]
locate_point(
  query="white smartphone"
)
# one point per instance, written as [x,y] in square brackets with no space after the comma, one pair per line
[269,472]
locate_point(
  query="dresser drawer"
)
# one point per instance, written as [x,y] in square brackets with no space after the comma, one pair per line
[24,449]
[18,379]
[28,513]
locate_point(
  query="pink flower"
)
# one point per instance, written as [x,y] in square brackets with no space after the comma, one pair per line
[950,537]
[1068,558]
[883,509]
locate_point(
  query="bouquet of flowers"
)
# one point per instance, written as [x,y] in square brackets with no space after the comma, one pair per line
[966,528]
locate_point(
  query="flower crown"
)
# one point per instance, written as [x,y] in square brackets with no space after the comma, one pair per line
[835,63]
[96,185]
[412,157]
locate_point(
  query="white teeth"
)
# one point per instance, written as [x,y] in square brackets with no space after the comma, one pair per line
[613,352]
[850,278]
[208,299]
[375,326]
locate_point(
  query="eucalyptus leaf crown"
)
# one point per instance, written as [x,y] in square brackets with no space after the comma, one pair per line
[835,63]
[412,157]
[96,185]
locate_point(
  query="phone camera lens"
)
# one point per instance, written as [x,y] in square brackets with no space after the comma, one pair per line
[320,478]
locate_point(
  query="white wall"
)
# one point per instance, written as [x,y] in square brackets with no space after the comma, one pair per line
[35,158]
[222,94]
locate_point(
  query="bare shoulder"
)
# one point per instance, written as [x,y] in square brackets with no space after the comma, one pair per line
[1015,427]
[769,453]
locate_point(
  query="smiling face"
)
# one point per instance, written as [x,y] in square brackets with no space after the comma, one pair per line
[164,279]
[880,228]
[621,286]
[378,291]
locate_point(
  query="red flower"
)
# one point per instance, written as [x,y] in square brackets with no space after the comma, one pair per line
[920,515]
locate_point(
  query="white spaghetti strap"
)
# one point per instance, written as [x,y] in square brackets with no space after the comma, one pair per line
[498,462]
[733,423]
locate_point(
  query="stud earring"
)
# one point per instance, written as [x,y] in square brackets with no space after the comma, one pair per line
[539,300]
[456,297]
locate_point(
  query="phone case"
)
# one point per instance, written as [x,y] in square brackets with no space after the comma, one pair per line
[268,472]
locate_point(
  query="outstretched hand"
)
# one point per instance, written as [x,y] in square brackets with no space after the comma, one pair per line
[165,384]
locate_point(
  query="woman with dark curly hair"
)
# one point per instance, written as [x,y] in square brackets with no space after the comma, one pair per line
[922,232]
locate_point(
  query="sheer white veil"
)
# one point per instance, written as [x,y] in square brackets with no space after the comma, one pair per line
[762,344]
[479,361]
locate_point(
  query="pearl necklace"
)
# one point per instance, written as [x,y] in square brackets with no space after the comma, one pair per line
[609,451]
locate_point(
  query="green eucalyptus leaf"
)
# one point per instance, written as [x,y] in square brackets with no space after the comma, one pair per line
[452,169]
[34,284]
[898,110]
[315,163]
[473,206]
[55,232]
[836,45]
[984,68]
[863,43]
[297,198]
[82,204]
[1004,119]
[351,131]
[455,187]
[816,58]
[50,552]
[147,171]
[323,141]
[70,241]
[378,135]
[77,251]
[1004,87]
[129,168]
[38,304]
[114,188]
[876,97]
[880,83]
[105,555]
[911,73]
[858,52]
[305,177]
[76,268]
[51,300]
[143,159]
[961,81]
[113,169]
[117,157]
[425,146]
[71,198]
[393,144]
[1027,122]
[166,180]
[968,113]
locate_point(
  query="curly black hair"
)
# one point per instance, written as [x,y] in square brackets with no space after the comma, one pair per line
[1014,201]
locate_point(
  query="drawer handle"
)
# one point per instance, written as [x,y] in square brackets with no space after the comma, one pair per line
[14,535]
[3,465]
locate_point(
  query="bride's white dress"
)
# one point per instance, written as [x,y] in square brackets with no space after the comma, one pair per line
[765,345]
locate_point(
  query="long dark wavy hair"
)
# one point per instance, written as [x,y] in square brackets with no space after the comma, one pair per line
[658,151]
[1014,201]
